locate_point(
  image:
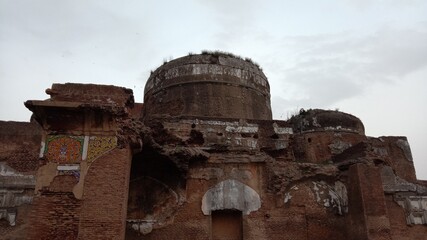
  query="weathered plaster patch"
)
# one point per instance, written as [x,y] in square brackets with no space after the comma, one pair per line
[338,128]
[231,194]
[288,197]
[393,183]
[45,175]
[332,196]
[218,123]
[252,143]
[282,130]
[315,123]
[339,146]
[7,171]
[142,226]
[9,215]
[280,144]
[246,142]
[380,151]
[48,172]
[242,129]
[42,149]
[415,208]
[404,145]
[78,188]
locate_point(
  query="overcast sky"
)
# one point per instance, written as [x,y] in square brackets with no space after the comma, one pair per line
[364,57]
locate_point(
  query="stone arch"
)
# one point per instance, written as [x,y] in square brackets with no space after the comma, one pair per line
[231,194]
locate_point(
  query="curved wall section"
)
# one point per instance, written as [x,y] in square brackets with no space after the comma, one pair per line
[208,85]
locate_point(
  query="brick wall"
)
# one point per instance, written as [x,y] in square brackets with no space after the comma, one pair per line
[320,147]
[368,214]
[399,228]
[55,212]
[105,197]
[19,145]
[397,155]
[20,230]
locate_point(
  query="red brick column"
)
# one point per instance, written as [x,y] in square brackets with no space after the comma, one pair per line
[105,196]
[55,212]
[367,207]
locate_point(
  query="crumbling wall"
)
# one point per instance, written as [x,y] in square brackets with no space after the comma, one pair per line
[396,153]
[322,146]
[19,148]
[105,196]
[305,187]
[323,120]
[259,155]
[56,206]
[83,176]
[400,228]
[91,94]
[156,191]
[204,141]
[19,145]
[368,211]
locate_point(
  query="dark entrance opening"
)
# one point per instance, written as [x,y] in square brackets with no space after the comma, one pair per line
[227,225]
[155,187]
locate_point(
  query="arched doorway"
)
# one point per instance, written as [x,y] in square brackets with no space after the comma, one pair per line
[227,202]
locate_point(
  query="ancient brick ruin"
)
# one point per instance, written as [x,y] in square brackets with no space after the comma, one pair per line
[201,158]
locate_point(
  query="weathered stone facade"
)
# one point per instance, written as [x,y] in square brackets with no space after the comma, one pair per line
[202,158]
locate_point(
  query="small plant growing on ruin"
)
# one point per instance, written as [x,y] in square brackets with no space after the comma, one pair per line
[218,53]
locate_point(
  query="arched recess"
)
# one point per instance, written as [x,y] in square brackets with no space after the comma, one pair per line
[231,195]
[156,190]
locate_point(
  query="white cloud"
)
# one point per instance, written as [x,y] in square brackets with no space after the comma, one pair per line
[325,70]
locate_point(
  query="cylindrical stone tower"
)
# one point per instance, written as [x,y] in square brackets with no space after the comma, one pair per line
[208,85]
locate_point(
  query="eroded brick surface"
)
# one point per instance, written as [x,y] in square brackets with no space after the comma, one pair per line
[202,141]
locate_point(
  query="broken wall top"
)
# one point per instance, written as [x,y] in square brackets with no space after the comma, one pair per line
[91,93]
[321,120]
[82,108]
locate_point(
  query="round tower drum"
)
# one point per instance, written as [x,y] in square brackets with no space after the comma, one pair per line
[208,85]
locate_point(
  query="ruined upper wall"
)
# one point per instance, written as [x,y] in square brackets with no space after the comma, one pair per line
[19,152]
[91,93]
[19,145]
[82,107]
[326,120]
[212,85]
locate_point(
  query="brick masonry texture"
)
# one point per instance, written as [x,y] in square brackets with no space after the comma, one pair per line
[199,158]
[105,197]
